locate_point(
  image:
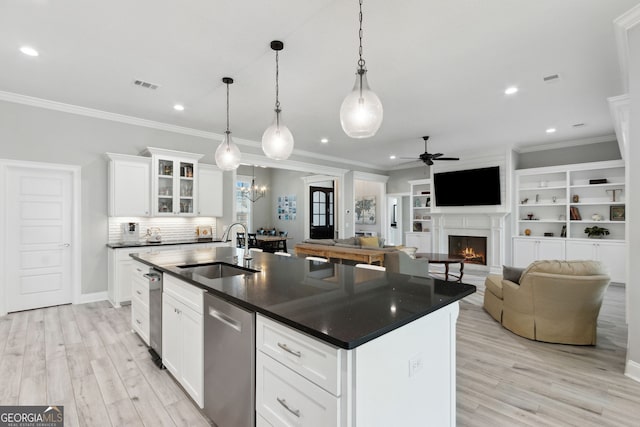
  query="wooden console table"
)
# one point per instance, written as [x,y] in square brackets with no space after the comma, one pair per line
[368,256]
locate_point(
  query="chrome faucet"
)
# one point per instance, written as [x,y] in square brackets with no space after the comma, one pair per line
[225,238]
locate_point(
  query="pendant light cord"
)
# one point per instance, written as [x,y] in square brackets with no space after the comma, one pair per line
[361,60]
[277,91]
[228,111]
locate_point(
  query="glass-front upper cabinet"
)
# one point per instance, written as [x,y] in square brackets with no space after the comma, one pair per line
[174,182]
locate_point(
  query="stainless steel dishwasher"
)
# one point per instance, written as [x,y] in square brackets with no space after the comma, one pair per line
[229,363]
[155,316]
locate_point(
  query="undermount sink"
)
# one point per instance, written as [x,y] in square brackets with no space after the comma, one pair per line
[217,270]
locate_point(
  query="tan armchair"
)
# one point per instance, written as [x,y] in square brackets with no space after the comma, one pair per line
[556,301]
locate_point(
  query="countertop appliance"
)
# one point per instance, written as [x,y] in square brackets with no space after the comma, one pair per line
[229,363]
[153,235]
[130,232]
[155,315]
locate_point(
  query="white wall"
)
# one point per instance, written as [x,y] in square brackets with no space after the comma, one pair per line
[633,206]
[42,135]
[285,183]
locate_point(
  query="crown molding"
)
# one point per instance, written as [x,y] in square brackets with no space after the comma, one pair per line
[136,121]
[566,144]
[621,25]
[294,165]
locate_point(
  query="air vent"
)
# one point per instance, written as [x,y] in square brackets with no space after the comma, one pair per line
[577,125]
[146,85]
[551,78]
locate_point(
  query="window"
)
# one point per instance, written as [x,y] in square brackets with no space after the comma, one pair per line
[243,205]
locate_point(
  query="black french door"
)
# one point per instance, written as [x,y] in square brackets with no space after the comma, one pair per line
[322,207]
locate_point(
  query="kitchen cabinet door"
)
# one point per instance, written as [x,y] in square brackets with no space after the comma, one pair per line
[171,335]
[613,255]
[192,375]
[209,191]
[129,185]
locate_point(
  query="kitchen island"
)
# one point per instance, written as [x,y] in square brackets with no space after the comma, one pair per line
[384,342]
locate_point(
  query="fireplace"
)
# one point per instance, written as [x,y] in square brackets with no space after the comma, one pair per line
[472,248]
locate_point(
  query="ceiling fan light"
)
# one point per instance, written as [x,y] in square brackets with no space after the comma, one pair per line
[228,154]
[361,111]
[277,140]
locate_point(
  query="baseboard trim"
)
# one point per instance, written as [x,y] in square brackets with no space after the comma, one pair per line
[92,297]
[633,370]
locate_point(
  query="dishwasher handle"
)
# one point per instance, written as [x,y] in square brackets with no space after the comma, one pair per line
[227,320]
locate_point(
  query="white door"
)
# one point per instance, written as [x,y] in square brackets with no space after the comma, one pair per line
[39,230]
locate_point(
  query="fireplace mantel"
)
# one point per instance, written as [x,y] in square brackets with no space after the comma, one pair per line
[491,225]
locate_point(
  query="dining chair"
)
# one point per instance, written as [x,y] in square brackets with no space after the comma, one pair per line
[282,253]
[371,267]
[284,233]
[253,240]
[315,258]
[272,232]
[240,240]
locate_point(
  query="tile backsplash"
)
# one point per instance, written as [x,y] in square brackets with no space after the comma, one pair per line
[170,228]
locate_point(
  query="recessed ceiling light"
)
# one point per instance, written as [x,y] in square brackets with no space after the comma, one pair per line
[178,107]
[324,140]
[392,157]
[511,90]
[551,130]
[29,51]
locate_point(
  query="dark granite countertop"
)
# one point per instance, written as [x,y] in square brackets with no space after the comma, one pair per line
[339,304]
[139,244]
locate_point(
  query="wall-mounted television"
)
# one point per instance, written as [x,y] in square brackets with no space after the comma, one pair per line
[470,187]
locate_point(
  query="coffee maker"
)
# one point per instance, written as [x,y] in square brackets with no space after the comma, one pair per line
[130,232]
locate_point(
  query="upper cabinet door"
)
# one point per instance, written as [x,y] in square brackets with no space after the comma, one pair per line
[129,185]
[209,191]
[174,182]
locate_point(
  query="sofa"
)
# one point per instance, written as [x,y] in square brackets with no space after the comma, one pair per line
[551,301]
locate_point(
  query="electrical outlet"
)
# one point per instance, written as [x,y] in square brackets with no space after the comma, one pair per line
[416,363]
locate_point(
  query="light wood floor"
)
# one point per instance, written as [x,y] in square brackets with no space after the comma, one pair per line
[86,358]
[507,380]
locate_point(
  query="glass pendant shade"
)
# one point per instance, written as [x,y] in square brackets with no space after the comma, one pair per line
[277,140]
[228,154]
[361,111]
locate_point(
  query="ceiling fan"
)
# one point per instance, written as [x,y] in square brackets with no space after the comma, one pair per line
[428,158]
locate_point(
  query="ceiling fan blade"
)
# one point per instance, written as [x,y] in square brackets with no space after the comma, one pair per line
[447,158]
[408,158]
[435,156]
[429,162]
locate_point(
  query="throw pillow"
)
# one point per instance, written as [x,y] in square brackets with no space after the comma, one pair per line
[411,251]
[512,274]
[369,242]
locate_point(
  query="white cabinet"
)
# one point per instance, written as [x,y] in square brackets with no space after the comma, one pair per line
[140,300]
[174,182]
[129,185]
[558,203]
[422,241]
[183,335]
[119,274]
[209,191]
[526,250]
[420,201]
[612,254]
[302,381]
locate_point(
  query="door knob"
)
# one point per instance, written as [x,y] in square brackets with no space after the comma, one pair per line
[64,245]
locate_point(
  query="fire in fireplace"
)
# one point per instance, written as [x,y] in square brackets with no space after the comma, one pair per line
[472,248]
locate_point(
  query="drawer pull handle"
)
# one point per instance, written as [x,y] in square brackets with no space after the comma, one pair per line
[283,402]
[138,292]
[139,269]
[138,322]
[288,350]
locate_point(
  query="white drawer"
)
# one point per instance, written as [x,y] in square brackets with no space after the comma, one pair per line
[311,358]
[138,269]
[188,294]
[284,398]
[261,422]
[140,291]
[140,320]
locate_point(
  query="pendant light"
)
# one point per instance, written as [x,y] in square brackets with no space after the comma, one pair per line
[277,140]
[361,110]
[227,153]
